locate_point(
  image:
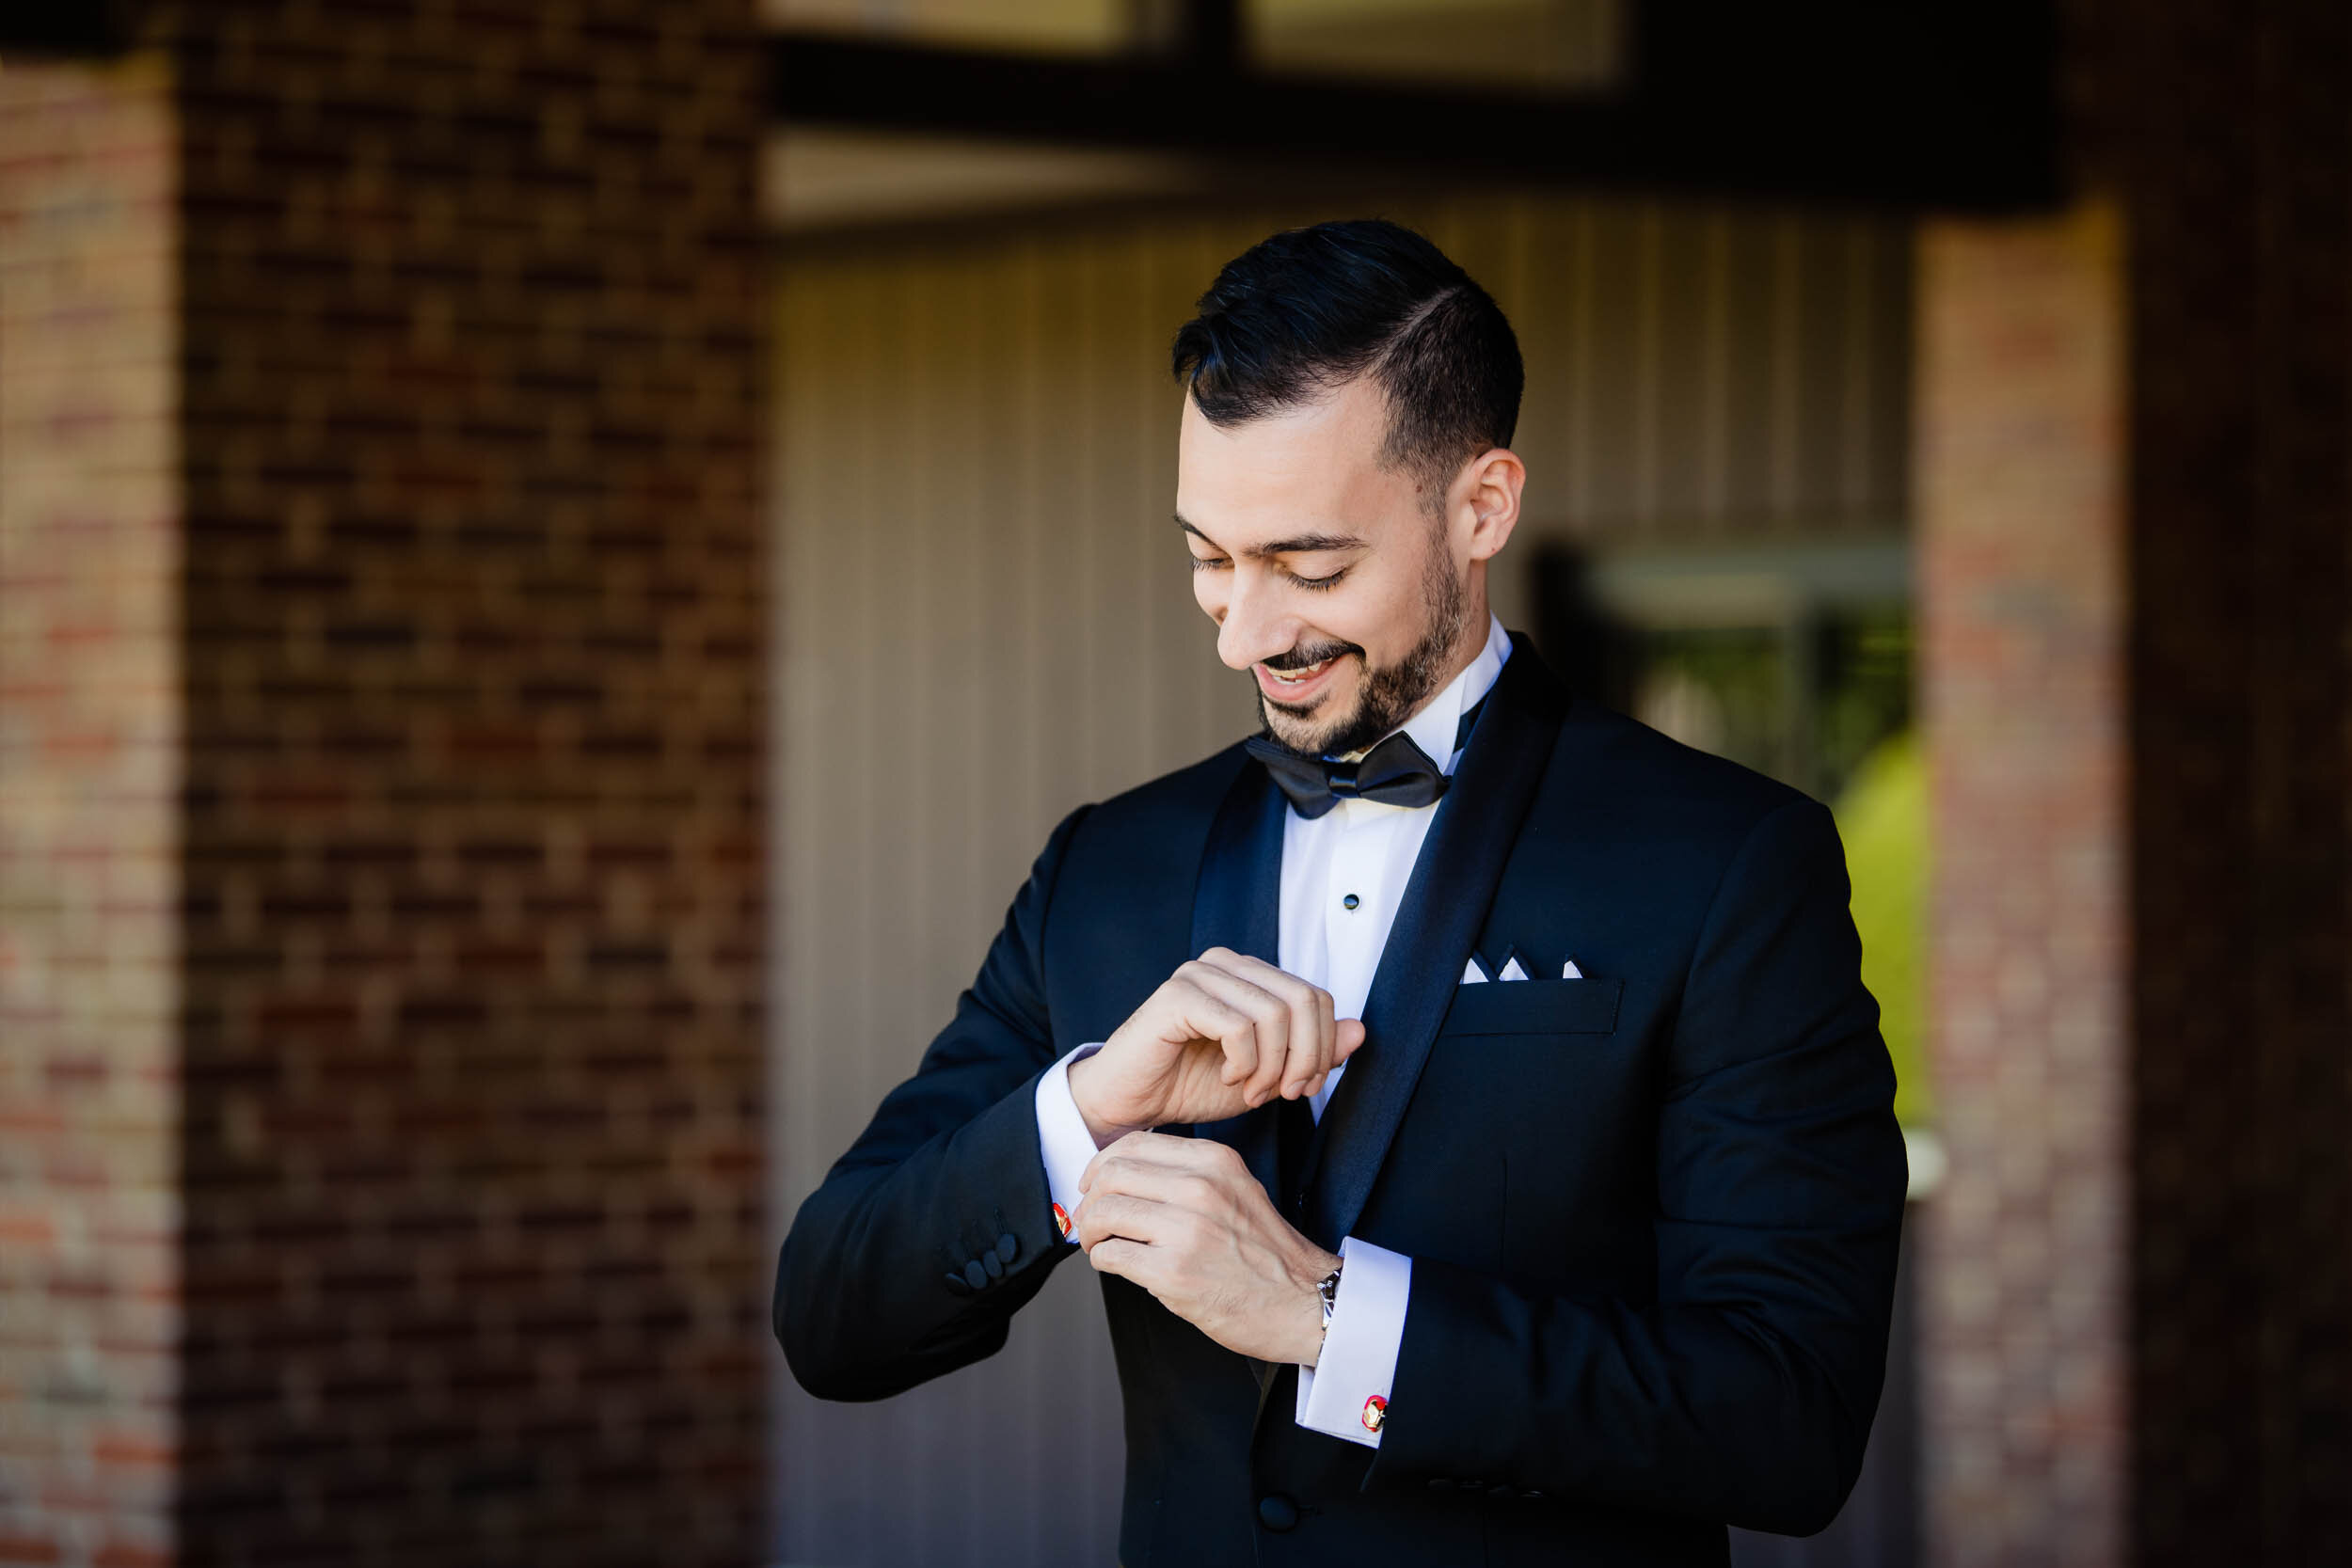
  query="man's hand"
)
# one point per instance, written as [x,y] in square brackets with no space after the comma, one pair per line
[1225,1033]
[1184,1219]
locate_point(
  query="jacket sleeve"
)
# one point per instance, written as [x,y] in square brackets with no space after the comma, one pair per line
[911,1257]
[1744,1390]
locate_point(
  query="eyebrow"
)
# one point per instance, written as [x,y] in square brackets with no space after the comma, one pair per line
[1299,543]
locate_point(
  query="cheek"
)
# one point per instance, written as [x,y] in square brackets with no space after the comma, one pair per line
[1208,592]
[1376,617]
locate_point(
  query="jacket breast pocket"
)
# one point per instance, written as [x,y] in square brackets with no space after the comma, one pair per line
[1586,1007]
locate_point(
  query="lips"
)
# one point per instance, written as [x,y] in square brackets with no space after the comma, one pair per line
[1297,685]
[1298,677]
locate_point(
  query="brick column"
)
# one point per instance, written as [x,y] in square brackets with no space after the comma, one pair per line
[2019,499]
[90,773]
[474,647]
[466,652]
[2242,777]
[2205,1415]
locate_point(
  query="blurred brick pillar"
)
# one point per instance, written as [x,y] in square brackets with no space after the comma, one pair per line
[2019,477]
[2204,1415]
[467,654]
[2234,140]
[89,771]
[472,303]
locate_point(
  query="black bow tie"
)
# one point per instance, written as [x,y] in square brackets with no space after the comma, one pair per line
[1396,772]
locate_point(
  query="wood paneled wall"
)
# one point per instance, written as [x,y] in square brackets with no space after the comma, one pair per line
[984,619]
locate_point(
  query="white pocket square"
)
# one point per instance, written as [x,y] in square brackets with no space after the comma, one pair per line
[1474,973]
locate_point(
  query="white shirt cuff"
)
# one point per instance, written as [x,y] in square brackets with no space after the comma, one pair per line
[1063,1137]
[1357,1366]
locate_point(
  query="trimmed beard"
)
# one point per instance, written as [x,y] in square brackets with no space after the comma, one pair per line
[1391,694]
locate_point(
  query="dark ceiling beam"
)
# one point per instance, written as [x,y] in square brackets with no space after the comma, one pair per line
[67,29]
[1915,105]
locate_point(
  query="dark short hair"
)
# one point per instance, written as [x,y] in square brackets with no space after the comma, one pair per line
[1307,310]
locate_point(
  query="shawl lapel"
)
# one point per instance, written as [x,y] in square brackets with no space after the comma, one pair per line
[1444,907]
[1237,903]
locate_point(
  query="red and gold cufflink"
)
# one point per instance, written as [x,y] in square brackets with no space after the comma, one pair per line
[1376,1412]
[1061,1221]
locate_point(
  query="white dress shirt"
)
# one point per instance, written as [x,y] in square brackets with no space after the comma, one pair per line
[1362,850]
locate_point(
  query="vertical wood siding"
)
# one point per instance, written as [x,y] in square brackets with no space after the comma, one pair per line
[984,619]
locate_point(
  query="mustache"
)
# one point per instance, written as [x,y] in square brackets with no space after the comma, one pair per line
[1306,653]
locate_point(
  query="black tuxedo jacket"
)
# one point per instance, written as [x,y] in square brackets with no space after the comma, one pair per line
[1652,1213]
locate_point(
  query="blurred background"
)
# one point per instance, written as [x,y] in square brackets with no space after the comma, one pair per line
[559,558]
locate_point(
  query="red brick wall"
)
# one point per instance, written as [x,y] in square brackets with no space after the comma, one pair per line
[2140,1346]
[88,771]
[474,1263]
[2019,483]
[2234,146]
[466,652]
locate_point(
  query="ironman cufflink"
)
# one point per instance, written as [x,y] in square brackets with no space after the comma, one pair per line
[1376,1412]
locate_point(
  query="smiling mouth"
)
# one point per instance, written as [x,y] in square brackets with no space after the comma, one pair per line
[1299,677]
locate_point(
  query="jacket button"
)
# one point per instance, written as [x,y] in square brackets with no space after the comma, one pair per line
[993,1265]
[1440,1484]
[974,1274]
[1277,1512]
[955,1283]
[1502,1489]
[1008,1246]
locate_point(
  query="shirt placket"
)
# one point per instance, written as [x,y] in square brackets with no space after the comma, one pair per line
[1359,872]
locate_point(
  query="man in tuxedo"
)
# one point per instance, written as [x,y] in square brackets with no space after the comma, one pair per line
[1466,1094]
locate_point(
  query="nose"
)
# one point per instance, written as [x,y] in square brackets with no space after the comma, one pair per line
[1253,627]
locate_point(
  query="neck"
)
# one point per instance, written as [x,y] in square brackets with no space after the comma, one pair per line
[1472,638]
[1470,644]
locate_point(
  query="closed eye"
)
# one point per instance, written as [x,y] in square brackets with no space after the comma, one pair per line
[1218,563]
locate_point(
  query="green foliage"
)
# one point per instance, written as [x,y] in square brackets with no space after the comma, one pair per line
[1882,817]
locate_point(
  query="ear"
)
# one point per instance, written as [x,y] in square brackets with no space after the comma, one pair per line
[1489,485]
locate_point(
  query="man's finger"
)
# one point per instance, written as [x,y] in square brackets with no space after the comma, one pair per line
[1107,1214]
[1207,1007]
[1273,1013]
[1143,1147]
[1128,1259]
[1307,1033]
[1347,1035]
[1254,1060]
[1309,1051]
[1198,1188]
[1325,1039]
[1225,1008]
[1320,1041]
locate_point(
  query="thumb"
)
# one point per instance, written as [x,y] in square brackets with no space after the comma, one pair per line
[1347,1037]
